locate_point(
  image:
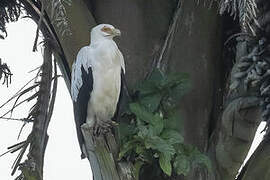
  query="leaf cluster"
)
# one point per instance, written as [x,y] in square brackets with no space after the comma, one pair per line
[148,138]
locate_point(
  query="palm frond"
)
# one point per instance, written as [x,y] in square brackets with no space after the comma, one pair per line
[10,10]
[244,10]
[58,15]
[5,73]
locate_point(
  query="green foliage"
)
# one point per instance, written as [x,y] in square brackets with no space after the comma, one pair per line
[165,163]
[189,156]
[150,136]
[182,164]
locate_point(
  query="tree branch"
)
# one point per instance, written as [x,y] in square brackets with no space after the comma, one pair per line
[32,168]
[159,61]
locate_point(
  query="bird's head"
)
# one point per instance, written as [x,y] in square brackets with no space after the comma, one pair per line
[104,31]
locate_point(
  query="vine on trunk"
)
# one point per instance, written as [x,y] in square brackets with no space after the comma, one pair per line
[151,136]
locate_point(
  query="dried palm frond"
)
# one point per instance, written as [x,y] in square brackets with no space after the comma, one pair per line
[27,91]
[5,72]
[245,10]
[58,15]
[10,11]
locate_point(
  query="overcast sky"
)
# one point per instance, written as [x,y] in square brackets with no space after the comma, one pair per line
[62,158]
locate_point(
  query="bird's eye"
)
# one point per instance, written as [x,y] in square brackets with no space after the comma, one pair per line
[106,29]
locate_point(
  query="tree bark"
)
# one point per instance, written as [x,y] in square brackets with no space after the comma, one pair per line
[218,123]
[196,49]
[32,167]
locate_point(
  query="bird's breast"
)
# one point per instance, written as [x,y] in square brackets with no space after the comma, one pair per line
[106,90]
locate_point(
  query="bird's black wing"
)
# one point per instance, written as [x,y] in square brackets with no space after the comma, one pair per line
[80,106]
[123,98]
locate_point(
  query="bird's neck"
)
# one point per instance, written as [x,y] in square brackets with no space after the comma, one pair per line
[95,42]
[97,39]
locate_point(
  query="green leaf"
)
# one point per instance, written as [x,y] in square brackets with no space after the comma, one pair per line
[172,136]
[147,87]
[174,121]
[165,163]
[152,84]
[177,79]
[175,86]
[141,112]
[202,159]
[158,124]
[157,143]
[126,129]
[151,102]
[143,132]
[157,76]
[182,164]
[126,148]
[139,149]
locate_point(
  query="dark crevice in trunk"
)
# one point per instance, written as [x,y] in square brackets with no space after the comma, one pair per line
[229,28]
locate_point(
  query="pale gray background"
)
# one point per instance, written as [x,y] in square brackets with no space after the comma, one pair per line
[62,158]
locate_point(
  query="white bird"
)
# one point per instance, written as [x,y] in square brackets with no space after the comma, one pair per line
[96,81]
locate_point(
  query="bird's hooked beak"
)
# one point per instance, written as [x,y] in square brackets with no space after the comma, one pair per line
[116,32]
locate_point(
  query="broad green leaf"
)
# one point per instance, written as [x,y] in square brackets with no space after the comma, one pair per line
[126,148]
[151,102]
[145,88]
[143,132]
[178,91]
[174,121]
[126,129]
[182,164]
[157,143]
[202,159]
[152,84]
[172,136]
[165,163]
[196,156]
[156,78]
[141,112]
[139,149]
[174,87]
[158,124]
[176,79]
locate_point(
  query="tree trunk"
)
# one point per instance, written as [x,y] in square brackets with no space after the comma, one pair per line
[218,122]
[196,49]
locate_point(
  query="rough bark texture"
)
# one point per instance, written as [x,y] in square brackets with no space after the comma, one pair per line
[196,49]
[239,121]
[32,168]
[102,153]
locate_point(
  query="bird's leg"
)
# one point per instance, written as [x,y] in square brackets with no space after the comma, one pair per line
[103,127]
